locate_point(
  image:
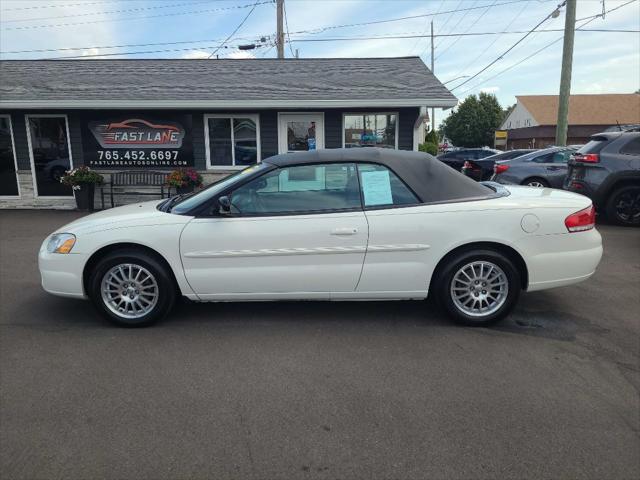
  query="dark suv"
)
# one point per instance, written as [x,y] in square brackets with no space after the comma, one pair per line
[607,170]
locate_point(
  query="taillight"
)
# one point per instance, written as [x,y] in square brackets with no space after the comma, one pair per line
[500,168]
[586,157]
[582,220]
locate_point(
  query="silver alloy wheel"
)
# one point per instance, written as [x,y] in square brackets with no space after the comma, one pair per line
[535,184]
[479,288]
[129,290]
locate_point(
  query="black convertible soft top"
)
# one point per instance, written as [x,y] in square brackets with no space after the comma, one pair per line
[428,177]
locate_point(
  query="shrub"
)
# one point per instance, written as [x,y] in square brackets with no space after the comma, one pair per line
[428,147]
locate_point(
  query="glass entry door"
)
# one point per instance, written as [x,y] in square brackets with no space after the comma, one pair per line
[300,132]
[8,178]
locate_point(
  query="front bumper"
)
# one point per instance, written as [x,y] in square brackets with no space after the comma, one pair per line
[61,274]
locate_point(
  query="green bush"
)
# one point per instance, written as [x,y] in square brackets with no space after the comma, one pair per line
[428,147]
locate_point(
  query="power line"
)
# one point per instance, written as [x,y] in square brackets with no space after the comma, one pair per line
[173,14]
[470,27]
[125,45]
[398,19]
[286,24]
[53,6]
[471,34]
[336,39]
[457,23]
[127,10]
[580,28]
[99,55]
[425,29]
[494,40]
[237,28]
[512,46]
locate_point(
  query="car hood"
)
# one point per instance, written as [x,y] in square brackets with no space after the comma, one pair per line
[136,214]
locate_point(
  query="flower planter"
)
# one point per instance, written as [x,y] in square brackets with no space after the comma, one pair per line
[182,190]
[84,196]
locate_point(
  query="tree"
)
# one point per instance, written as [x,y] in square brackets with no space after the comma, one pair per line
[474,122]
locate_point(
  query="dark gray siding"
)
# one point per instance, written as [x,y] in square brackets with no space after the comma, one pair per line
[268,130]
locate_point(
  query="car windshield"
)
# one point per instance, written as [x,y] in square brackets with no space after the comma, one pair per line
[214,189]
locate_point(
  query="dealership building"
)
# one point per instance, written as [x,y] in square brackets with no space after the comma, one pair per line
[216,116]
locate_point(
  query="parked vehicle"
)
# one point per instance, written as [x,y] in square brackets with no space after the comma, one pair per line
[541,168]
[482,169]
[607,170]
[456,158]
[343,224]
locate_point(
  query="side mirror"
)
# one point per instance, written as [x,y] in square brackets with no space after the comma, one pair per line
[225,205]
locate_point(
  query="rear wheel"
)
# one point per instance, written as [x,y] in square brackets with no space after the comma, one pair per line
[478,287]
[623,206]
[536,182]
[131,288]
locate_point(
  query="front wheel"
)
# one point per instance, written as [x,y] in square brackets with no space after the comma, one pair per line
[131,288]
[478,288]
[536,182]
[623,206]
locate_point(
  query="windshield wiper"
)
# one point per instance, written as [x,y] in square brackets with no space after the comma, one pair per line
[168,205]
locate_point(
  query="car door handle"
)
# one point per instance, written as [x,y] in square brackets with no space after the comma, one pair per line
[344,231]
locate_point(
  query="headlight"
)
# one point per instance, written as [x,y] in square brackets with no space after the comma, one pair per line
[61,243]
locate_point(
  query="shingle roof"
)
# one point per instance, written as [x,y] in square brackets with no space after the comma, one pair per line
[597,109]
[405,81]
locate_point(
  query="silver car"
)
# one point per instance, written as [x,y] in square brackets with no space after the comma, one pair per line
[542,168]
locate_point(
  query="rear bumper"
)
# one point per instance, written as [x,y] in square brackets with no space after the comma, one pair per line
[61,275]
[562,259]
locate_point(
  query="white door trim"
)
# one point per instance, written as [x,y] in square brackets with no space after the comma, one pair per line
[282,140]
[33,164]
[15,159]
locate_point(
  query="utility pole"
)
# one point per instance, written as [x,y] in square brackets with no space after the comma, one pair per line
[280,34]
[565,76]
[433,110]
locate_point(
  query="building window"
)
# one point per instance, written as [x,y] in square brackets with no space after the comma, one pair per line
[8,166]
[50,151]
[370,130]
[232,140]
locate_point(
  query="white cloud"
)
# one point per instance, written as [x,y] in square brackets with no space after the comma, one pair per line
[490,89]
[196,54]
[241,54]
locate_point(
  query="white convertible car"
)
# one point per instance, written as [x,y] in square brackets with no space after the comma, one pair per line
[356,224]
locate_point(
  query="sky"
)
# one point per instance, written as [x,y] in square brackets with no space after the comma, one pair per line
[604,62]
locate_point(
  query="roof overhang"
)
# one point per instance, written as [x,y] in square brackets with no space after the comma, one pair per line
[228,104]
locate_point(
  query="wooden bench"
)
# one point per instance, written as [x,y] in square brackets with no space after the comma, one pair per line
[131,181]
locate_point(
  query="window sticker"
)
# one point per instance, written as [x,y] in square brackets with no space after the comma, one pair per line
[376,187]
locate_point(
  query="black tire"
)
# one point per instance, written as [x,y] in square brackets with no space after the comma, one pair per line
[166,288]
[442,286]
[623,206]
[539,180]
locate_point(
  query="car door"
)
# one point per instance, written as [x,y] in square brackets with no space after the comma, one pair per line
[396,260]
[294,232]
[556,167]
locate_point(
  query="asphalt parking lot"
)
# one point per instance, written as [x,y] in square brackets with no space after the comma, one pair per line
[319,390]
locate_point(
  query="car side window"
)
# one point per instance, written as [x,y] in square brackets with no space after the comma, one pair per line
[560,157]
[632,147]
[299,189]
[382,188]
[547,158]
